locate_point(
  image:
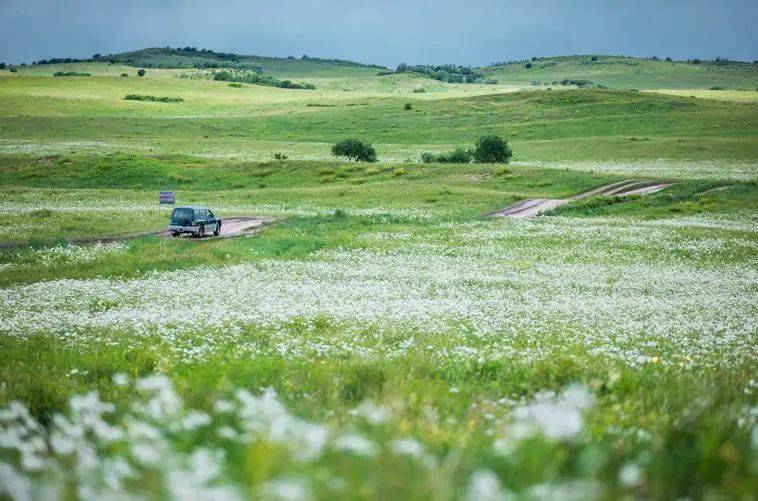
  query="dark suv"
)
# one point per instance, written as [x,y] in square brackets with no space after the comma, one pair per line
[197,221]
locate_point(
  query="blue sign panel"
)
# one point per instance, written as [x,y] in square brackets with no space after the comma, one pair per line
[166,197]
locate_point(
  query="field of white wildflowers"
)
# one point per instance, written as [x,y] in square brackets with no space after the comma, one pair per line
[620,297]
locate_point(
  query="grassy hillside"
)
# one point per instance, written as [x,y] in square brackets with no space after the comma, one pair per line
[629,73]
[48,114]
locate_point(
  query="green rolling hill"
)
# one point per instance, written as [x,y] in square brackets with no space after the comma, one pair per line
[628,72]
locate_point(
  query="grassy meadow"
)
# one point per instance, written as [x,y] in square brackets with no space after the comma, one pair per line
[383,339]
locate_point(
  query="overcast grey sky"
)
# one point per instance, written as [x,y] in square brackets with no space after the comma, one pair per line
[471,32]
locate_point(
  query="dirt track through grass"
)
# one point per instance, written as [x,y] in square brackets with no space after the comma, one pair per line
[534,206]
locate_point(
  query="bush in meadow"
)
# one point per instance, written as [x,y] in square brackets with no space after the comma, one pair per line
[141,72]
[354,149]
[492,149]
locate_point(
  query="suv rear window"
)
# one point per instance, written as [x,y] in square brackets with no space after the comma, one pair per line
[183,214]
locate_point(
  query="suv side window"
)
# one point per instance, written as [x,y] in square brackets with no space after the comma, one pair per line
[210,214]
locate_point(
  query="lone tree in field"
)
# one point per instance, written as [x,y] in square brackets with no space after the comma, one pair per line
[492,149]
[141,72]
[354,149]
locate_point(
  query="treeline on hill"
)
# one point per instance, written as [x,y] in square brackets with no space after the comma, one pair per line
[546,62]
[248,76]
[449,73]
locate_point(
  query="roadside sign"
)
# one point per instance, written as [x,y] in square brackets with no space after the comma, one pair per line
[166,197]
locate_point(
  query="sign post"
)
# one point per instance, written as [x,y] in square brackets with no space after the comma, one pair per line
[166,197]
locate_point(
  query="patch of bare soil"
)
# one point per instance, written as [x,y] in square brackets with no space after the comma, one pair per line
[534,206]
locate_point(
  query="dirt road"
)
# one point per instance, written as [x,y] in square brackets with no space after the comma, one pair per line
[231,227]
[534,206]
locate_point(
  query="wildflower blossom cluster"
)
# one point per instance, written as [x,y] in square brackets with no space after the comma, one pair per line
[102,449]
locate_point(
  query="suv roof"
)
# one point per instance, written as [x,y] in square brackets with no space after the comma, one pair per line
[193,207]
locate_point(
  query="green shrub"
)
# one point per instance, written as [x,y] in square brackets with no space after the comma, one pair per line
[449,73]
[124,75]
[236,85]
[254,76]
[70,74]
[14,70]
[400,171]
[354,149]
[280,156]
[457,156]
[716,87]
[408,106]
[419,90]
[141,72]
[156,99]
[492,149]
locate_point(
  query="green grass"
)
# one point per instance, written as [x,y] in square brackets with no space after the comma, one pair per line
[629,73]
[647,303]
[216,120]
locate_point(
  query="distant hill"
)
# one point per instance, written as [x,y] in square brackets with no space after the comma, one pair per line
[190,57]
[627,72]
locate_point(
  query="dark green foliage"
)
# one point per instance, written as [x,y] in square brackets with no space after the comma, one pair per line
[528,66]
[236,85]
[419,90]
[593,58]
[280,156]
[457,156]
[70,74]
[354,149]
[716,87]
[141,72]
[2,66]
[14,70]
[124,75]
[489,149]
[492,149]
[155,99]
[577,82]
[257,78]
[408,106]
[59,60]
[445,73]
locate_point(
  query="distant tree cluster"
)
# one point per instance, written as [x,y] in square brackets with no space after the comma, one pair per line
[445,73]
[70,74]
[61,60]
[254,77]
[488,149]
[339,62]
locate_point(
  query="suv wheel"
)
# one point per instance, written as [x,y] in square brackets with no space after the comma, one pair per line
[201,231]
[217,230]
[174,233]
